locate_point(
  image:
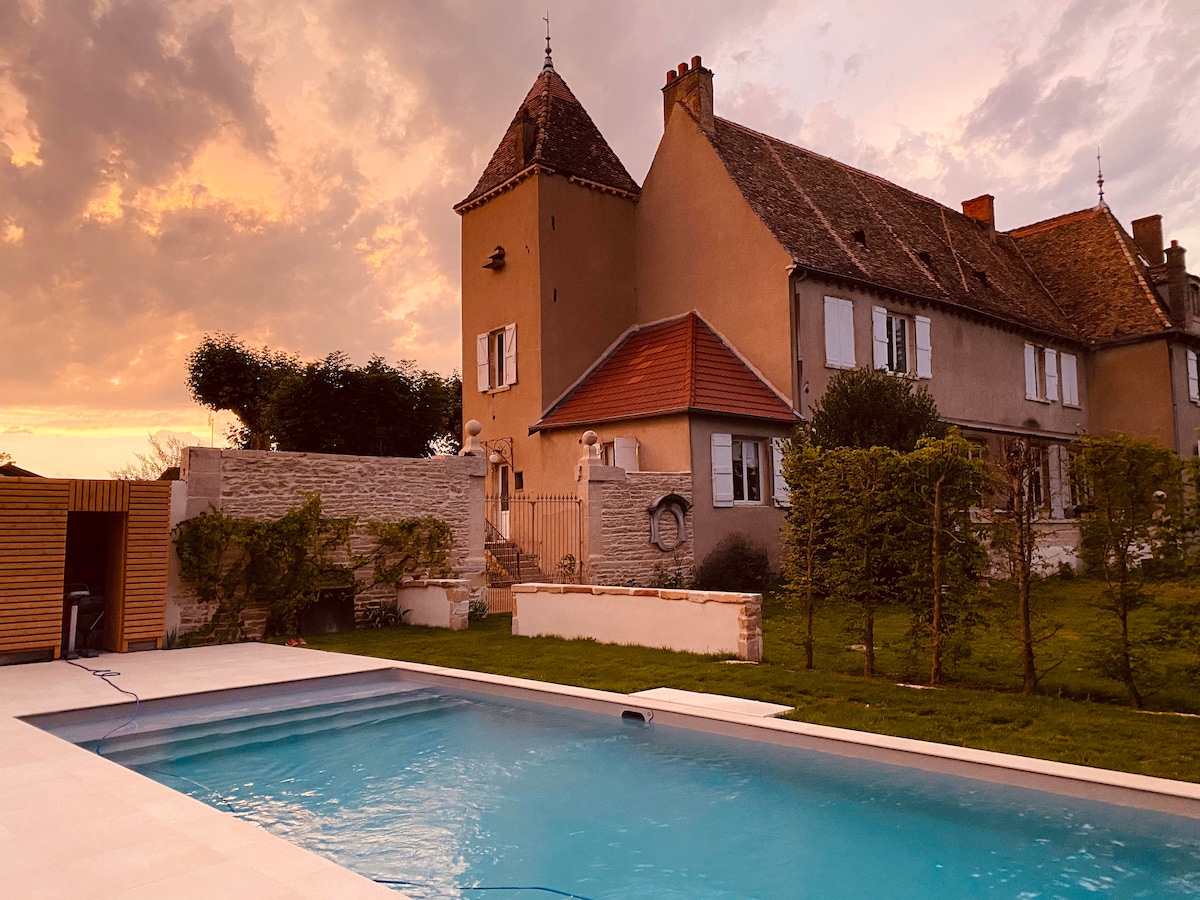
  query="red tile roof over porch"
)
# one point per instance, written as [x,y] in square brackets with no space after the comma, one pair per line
[674,366]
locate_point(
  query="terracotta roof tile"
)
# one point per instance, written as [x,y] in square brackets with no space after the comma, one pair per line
[558,134]
[815,206]
[672,366]
[1096,271]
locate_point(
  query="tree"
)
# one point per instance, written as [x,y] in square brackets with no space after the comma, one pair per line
[866,408]
[1129,486]
[862,508]
[327,406]
[938,542]
[166,451]
[224,375]
[1017,474]
[806,531]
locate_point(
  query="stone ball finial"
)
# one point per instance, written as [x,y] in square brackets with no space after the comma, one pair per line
[473,427]
[590,438]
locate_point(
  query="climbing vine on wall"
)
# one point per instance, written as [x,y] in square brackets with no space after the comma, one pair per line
[284,564]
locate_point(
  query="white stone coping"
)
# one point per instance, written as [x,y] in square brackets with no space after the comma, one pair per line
[72,822]
[714,701]
[663,593]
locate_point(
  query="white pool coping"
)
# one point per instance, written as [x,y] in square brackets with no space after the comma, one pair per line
[73,823]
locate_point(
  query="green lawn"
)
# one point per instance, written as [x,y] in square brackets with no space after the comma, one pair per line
[1077,719]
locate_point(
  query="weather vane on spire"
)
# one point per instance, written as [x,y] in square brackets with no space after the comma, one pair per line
[549,60]
[1099,179]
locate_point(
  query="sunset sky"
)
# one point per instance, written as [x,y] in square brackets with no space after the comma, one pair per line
[284,170]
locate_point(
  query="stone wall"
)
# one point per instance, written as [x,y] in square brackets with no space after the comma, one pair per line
[265,485]
[692,621]
[625,553]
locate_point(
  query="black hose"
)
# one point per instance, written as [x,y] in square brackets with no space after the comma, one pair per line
[456,887]
[106,675]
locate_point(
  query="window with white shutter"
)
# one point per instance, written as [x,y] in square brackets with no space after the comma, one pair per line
[625,454]
[839,333]
[1031,373]
[1051,370]
[924,348]
[1193,375]
[722,470]
[496,358]
[879,338]
[779,492]
[1070,379]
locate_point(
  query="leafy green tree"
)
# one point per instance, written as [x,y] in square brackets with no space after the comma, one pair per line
[866,408]
[806,531]
[1016,475]
[860,569]
[223,374]
[939,545]
[328,406]
[1129,486]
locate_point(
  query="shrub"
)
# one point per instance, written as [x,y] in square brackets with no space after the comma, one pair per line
[735,565]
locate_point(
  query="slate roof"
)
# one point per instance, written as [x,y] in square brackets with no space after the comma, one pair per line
[677,365]
[814,206]
[1096,272]
[563,138]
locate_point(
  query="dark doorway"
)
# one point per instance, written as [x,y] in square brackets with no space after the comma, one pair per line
[93,574]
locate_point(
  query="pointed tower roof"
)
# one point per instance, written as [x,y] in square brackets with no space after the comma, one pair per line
[553,131]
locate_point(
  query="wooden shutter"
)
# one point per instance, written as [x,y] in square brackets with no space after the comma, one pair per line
[1031,382]
[879,343]
[780,486]
[833,336]
[1055,465]
[722,469]
[625,454]
[1070,379]
[1193,377]
[1051,359]
[846,326]
[510,354]
[482,374]
[924,348]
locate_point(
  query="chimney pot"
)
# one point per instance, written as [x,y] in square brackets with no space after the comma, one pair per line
[695,62]
[671,75]
[1177,284]
[683,67]
[1174,243]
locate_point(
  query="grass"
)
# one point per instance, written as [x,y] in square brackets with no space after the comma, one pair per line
[1076,720]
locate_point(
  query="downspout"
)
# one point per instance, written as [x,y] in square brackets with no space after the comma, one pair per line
[796,274]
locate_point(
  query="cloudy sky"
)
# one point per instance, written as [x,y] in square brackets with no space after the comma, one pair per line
[285,169]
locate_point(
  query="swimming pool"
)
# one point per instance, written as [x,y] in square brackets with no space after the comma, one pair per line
[452,789]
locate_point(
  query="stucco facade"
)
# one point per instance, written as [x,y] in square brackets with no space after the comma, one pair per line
[773,255]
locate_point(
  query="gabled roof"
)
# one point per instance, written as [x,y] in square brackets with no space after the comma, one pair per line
[678,365]
[1097,273]
[840,220]
[552,129]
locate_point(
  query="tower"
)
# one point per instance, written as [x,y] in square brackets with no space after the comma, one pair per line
[547,274]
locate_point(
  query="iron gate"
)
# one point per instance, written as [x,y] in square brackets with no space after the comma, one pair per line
[531,538]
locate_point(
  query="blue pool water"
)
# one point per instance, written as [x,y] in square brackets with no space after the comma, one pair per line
[450,792]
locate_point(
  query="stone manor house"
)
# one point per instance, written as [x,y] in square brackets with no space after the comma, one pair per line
[693,320]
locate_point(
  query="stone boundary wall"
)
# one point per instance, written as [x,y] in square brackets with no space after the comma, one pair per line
[1057,544]
[626,555]
[692,621]
[258,484]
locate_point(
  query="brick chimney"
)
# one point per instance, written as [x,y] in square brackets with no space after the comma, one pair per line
[693,87]
[983,210]
[1148,235]
[1177,283]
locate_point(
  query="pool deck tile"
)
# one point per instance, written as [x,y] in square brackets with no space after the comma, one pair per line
[714,701]
[75,824]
